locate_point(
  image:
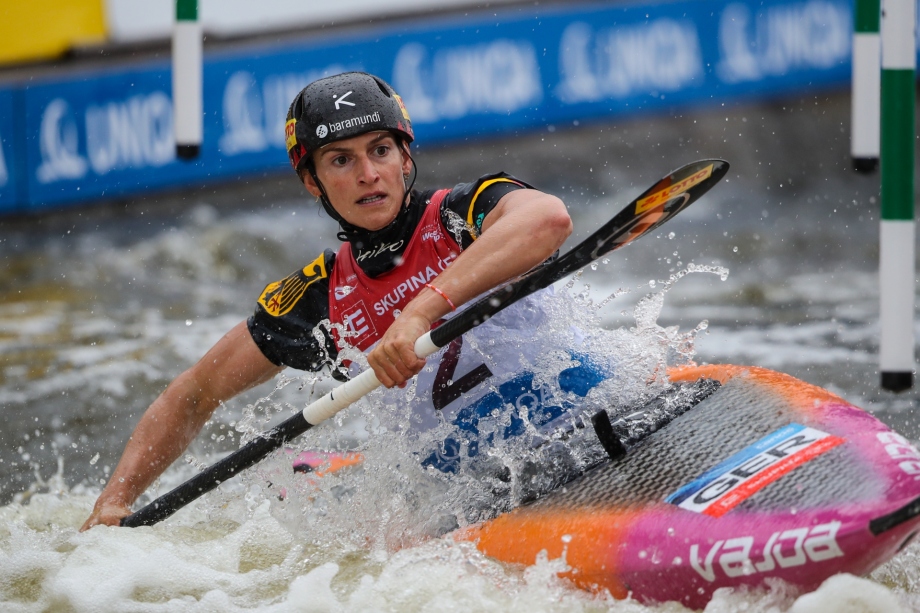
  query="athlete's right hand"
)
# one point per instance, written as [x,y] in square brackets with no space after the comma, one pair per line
[107,514]
[393,359]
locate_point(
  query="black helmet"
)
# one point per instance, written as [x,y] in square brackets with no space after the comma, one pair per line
[339,107]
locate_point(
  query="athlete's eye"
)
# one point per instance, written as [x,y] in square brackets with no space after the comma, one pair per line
[382,150]
[339,160]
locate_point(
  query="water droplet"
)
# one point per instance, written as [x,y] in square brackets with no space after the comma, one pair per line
[188,322]
[735,249]
[671,235]
[652,283]
[93,460]
[566,538]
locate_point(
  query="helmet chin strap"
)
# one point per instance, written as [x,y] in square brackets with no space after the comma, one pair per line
[327,205]
[406,182]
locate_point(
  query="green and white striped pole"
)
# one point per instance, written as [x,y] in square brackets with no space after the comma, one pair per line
[864,140]
[186,80]
[896,351]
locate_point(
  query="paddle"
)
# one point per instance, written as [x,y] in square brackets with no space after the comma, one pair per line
[655,206]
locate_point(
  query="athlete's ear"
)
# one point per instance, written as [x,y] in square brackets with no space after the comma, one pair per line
[310,184]
[406,157]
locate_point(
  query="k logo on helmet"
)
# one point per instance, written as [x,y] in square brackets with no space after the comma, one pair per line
[322,130]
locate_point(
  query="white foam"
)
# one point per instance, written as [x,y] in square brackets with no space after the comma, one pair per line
[845,593]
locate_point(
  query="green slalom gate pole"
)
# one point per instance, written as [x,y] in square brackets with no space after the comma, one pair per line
[896,273]
[187,80]
[866,85]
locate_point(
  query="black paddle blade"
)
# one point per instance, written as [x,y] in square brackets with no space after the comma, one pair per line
[656,205]
[251,453]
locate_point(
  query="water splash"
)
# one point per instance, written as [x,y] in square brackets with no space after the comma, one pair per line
[392,502]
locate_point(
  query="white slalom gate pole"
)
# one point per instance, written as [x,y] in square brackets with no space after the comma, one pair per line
[866,86]
[187,80]
[898,231]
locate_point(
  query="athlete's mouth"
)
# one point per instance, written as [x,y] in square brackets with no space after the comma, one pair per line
[373,198]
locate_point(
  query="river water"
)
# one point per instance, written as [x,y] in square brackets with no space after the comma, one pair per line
[101,307]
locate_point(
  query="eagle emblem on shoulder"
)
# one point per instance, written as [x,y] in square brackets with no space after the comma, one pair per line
[279,298]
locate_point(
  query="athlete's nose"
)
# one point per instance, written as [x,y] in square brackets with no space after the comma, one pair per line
[367,171]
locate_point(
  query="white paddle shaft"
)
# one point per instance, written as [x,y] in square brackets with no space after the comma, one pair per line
[362,385]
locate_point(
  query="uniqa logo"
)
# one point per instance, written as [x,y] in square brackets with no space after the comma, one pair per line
[659,56]
[242,115]
[133,133]
[787,549]
[501,76]
[780,39]
[58,143]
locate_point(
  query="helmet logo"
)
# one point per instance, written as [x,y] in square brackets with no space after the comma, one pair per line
[402,107]
[290,136]
[341,100]
[322,130]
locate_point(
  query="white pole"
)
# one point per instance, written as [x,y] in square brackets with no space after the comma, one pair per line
[896,348]
[866,86]
[187,80]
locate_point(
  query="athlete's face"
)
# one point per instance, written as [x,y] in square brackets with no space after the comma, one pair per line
[364,178]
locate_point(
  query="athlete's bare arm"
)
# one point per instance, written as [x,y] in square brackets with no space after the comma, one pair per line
[232,366]
[525,228]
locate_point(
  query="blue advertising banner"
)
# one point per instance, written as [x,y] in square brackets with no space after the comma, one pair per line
[109,134]
[8,173]
[102,135]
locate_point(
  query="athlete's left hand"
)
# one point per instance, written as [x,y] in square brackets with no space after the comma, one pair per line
[393,359]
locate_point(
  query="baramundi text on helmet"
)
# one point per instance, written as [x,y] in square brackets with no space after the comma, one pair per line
[339,107]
